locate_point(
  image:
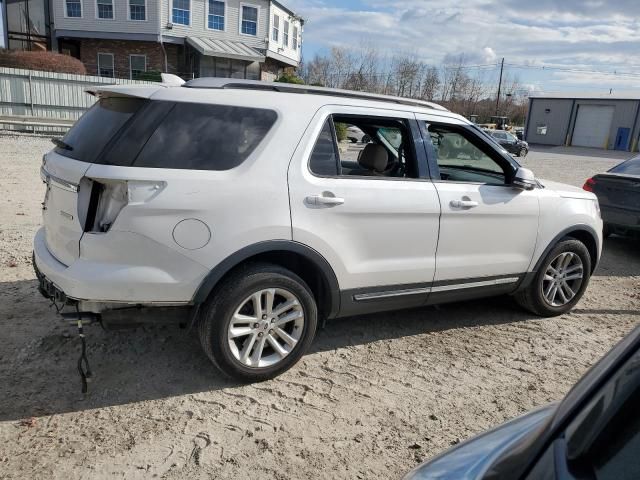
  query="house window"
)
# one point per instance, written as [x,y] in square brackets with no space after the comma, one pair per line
[249,24]
[137,66]
[295,38]
[181,12]
[276,28]
[105,65]
[215,20]
[137,10]
[285,35]
[105,9]
[74,8]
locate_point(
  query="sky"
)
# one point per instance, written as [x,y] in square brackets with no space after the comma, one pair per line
[584,45]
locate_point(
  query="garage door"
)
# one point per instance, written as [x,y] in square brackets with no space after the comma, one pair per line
[592,126]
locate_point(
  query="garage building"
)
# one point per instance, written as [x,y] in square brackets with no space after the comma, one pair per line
[610,122]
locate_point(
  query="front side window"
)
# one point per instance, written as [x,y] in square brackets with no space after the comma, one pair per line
[215,20]
[249,25]
[181,12]
[206,137]
[461,159]
[276,28]
[137,10]
[73,8]
[295,38]
[105,65]
[105,9]
[137,66]
[285,35]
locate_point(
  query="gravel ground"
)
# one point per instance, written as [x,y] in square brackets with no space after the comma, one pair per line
[376,394]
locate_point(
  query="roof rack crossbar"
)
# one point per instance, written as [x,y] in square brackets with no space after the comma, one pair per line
[222,83]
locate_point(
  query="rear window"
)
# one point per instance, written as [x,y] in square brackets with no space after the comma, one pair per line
[630,167]
[205,137]
[91,133]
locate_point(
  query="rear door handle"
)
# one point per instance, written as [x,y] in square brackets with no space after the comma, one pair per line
[463,204]
[324,200]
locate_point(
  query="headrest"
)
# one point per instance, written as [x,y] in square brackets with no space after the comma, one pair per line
[374,157]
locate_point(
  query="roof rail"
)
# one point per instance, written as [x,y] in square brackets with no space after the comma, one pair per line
[232,84]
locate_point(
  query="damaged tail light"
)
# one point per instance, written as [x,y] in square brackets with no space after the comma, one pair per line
[109,197]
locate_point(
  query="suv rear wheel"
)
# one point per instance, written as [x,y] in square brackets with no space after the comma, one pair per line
[259,323]
[560,281]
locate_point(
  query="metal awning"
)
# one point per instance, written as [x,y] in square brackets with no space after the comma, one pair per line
[225,49]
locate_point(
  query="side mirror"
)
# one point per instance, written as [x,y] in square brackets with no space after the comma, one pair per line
[524,179]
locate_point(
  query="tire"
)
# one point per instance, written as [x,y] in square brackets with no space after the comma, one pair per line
[523,152]
[533,298]
[236,296]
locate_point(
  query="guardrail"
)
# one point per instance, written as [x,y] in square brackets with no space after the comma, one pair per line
[29,121]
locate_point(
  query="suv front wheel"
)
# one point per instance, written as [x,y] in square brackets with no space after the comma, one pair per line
[560,281]
[259,323]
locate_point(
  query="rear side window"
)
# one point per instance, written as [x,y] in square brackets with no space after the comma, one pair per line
[91,133]
[205,137]
[324,158]
[630,167]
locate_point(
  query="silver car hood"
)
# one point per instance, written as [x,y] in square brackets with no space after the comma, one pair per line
[471,460]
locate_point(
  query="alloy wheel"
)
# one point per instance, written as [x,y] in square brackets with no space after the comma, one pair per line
[562,279]
[265,327]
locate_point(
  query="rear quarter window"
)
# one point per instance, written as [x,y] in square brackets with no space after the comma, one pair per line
[91,133]
[205,137]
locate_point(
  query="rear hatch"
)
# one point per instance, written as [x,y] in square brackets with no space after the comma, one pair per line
[68,195]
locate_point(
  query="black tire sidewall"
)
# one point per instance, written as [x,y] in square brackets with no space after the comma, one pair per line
[228,299]
[574,246]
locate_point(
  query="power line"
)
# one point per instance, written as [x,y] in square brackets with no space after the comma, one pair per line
[574,70]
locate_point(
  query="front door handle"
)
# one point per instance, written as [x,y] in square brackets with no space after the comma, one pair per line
[327,199]
[463,204]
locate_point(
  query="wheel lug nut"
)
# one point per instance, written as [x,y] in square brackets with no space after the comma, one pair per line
[270,332]
[260,334]
[264,317]
[255,325]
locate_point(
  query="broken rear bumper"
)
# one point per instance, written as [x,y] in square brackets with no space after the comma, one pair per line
[124,268]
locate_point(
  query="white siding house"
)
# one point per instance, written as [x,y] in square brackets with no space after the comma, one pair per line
[227,38]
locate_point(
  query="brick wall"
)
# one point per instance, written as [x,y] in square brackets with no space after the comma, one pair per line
[121,49]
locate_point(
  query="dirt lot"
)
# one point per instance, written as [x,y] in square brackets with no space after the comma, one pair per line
[376,395]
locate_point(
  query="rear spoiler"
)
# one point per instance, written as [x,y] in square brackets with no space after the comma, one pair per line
[136,91]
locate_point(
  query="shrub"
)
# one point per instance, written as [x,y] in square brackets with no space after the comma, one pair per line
[44,61]
[341,131]
[290,78]
[150,76]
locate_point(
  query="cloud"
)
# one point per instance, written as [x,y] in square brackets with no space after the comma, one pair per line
[594,33]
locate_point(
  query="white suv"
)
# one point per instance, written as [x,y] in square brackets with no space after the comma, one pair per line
[234,204]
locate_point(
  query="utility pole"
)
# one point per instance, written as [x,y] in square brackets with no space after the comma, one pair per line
[499,86]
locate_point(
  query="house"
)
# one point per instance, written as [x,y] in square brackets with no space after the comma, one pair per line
[252,39]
